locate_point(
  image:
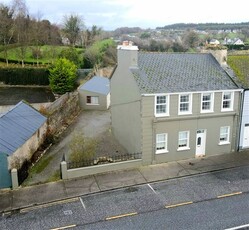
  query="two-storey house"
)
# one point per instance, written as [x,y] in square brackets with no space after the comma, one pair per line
[173,106]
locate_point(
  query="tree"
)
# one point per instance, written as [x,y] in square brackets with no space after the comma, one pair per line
[62,76]
[22,27]
[72,26]
[6,28]
[71,54]
[191,39]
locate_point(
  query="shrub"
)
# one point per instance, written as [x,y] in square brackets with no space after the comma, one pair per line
[62,76]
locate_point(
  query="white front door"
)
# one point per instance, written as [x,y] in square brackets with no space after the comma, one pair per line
[246,136]
[200,143]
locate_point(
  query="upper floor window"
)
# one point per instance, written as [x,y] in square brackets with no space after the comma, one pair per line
[183,140]
[185,104]
[161,143]
[207,102]
[227,101]
[161,105]
[224,135]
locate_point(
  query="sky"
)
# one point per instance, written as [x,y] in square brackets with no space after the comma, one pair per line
[111,14]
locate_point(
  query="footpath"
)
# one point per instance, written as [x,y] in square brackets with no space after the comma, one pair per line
[28,197]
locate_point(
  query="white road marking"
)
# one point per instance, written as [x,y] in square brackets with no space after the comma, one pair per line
[83,205]
[238,227]
[152,188]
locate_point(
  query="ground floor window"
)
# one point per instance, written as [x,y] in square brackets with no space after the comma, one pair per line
[92,100]
[224,135]
[161,143]
[183,140]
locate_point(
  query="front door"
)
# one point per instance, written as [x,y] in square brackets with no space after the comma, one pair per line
[246,136]
[200,143]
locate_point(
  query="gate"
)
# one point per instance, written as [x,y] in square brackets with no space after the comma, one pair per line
[5,177]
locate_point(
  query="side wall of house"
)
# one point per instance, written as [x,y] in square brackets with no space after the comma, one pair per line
[174,123]
[26,151]
[125,105]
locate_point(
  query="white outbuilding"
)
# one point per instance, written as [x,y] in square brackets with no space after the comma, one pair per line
[95,94]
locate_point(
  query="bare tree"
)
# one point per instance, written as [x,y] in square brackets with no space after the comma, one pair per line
[6,28]
[191,39]
[22,27]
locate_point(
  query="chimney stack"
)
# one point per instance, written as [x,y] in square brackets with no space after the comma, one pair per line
[127,54]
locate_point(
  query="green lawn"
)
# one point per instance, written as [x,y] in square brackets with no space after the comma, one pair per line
[48,53]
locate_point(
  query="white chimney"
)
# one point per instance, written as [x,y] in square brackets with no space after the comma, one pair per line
[127,54]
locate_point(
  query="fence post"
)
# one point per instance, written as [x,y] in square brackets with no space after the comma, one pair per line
[64,170]
[14,178]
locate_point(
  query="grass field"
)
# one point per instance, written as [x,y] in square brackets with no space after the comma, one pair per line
[48,54]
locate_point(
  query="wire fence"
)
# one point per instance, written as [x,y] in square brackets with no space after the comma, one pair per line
[104,160]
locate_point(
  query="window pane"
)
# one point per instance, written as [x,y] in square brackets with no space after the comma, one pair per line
[227,96]
[161,109]
[161,142]
[184,98]
[88,99]
[161,99]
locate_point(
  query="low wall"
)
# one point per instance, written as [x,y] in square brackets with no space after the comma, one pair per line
[91,170]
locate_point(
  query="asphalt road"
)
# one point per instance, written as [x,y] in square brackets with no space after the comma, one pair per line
[217,200]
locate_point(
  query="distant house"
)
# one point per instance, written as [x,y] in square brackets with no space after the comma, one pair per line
[214,42]
[22,130]
[173,106]
[233,41]
[95,94]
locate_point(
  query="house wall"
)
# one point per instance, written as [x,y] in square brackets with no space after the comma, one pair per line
[244,121]
[83,102]
[175,123]
[125,103]
[26,151]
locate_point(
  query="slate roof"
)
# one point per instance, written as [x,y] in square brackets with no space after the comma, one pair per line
[180,72]
[17,126]
[97,84]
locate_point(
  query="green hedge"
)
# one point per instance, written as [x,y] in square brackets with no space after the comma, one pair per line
[24,76]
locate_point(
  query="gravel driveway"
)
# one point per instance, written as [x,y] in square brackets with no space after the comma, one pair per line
[94,124]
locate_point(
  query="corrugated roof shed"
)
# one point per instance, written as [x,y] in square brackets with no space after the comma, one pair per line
[180,72]
[17,126]
[97,84]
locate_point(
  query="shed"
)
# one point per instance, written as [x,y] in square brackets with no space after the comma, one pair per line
[22,130]
[95,94]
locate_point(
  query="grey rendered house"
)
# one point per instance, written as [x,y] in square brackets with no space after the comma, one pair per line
[173,106]
[95,94]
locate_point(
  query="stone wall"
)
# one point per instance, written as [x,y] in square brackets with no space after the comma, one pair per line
[62,112]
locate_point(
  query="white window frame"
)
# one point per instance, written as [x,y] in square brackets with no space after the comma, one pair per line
[189,104]
[224,100]
[227,134]
[166,106]
[211,103]
[180,148]
[165,141]
[93,102]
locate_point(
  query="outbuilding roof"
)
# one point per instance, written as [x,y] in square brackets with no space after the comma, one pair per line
[17,126]
[180,72]
[97,84]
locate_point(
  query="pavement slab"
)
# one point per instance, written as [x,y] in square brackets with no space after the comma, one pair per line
[163,171]
[119,179]
[81,186]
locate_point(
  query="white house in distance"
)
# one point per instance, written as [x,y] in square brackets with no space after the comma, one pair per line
[95,94]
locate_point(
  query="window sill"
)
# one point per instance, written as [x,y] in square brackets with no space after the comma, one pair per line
[187,113]
[162,115]
[183,149]
[227,110]
[162,151]
[91,104]
[225,143]
[208,111]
